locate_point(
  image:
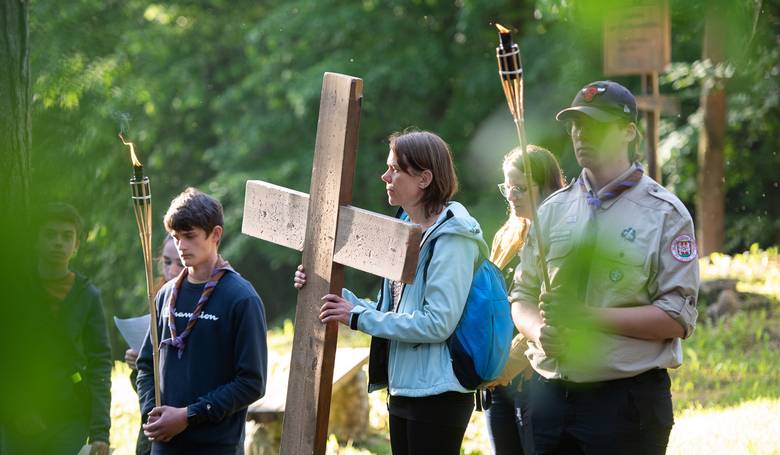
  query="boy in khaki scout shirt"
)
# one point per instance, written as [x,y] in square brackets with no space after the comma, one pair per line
[621,258]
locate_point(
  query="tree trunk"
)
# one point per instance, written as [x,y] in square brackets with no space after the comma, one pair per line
[15,98]
[710,195]
[21,366]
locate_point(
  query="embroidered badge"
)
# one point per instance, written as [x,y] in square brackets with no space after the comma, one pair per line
[589,92]
[629,234]
[615,276]
[684,248]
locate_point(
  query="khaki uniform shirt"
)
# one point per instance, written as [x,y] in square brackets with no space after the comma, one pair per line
[644,254]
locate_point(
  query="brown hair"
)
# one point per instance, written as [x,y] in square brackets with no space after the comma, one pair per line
[418,151]
[63,213]
[545,171]
[191,209]
[634,150]
[161,264]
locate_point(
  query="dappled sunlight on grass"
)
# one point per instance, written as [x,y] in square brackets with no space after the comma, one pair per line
[750,428]
[125,416]
[755,270]
[734,359]
[729,362]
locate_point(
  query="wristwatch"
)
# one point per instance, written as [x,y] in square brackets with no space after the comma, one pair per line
[194,414]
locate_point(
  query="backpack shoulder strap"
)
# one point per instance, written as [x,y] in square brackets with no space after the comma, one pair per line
[477,262]
[433,244]
[428,261]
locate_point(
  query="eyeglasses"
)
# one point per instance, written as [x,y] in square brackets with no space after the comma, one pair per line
[513,190]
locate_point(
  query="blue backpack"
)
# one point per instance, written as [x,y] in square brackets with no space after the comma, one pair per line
[479,347]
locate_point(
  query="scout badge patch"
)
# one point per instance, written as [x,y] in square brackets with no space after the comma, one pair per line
[629,234]
[684,248]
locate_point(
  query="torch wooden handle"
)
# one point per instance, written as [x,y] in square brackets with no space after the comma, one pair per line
[142,207]
[154,338]
[511,72]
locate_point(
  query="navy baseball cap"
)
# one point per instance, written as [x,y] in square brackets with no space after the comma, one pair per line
[604,101]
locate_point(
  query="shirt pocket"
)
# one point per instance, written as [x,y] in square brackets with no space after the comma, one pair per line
[559,248]
[624,274]
[560,244]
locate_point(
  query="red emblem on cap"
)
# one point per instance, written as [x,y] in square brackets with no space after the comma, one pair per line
[589,92]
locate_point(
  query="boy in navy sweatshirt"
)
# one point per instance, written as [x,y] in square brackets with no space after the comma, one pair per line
[212,334]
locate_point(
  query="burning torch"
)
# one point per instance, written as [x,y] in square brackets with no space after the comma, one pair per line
[142,207]
[510,70]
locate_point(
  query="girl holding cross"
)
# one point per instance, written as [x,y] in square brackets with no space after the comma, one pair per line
[410,323]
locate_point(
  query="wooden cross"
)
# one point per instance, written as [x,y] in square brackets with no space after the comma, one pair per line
[331,235]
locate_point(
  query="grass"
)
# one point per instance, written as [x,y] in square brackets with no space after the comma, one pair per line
[755,270]
[125,417]
[734,359]
[729,362]
[726,394]
[749,428]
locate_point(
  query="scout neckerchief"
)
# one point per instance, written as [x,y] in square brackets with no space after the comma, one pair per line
[612,190]
[177,341]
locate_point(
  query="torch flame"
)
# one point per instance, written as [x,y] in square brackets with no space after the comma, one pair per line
[502,30]
[133,157]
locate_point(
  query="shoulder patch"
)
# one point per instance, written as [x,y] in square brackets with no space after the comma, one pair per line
[684,248]
[665,195]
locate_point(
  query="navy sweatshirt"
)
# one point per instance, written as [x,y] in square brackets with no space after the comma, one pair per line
[221,371]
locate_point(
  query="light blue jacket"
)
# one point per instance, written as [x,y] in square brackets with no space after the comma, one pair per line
[419,361]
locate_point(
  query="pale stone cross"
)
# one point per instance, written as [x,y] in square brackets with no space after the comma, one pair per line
[331,235]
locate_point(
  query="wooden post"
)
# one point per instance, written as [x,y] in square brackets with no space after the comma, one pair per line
[637,41]
[711,192]
[652,121]
[335,235]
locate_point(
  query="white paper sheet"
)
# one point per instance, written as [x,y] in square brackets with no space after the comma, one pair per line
[133,330]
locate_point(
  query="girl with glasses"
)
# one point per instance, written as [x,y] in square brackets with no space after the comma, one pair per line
[505,413]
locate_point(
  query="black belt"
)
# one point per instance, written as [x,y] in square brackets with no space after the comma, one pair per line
[648,376]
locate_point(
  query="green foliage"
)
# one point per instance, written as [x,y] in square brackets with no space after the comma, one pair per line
[219,92]
[732,361]
[750,79]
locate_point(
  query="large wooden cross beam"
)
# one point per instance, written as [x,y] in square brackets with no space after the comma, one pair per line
[331,235]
